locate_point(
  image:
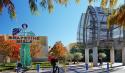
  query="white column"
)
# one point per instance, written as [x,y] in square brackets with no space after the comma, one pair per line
[123,55]
[95,56]
[112,55]
[87,56]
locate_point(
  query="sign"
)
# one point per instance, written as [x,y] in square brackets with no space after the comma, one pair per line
[23,39]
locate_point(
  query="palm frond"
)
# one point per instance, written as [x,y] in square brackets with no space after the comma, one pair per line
[50,6]
[113,3]
[33,6]
[61,1]
[118,17]
[43,3]
[90,1]
[11,8]
[104,3]
[77,1]
[1,5]
[6,2]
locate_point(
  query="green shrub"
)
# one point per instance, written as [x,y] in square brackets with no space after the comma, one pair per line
[42,65]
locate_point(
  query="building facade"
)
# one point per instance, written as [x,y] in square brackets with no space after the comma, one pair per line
[93,34]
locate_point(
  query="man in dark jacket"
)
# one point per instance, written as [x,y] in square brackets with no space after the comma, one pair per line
[100,61]
[53,63]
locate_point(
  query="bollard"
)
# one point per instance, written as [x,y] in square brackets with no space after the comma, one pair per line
[38,68]
[87,67]
[91,65]
[111,64]
[107,67]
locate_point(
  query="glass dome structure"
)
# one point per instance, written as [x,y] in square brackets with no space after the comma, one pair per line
[92,29]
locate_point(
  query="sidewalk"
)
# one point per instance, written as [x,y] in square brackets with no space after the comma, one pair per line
[102,68]
[80,68]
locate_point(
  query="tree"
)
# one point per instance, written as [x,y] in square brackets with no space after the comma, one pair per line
[75,47]
[77,56]
[47,4]
[73,50]
[9,5]
[117,17]
[50,4]
[81,48]
[69,57]
[32,4]
[102,55]
[104,3]
[72,45]
[10,49]
[59,50]
[35,49]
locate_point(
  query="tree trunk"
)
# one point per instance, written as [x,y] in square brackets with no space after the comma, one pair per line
[77,61]
[74,61]
[6,59]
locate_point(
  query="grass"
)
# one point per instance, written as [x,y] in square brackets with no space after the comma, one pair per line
[7,66]
[10,66]
[42,65]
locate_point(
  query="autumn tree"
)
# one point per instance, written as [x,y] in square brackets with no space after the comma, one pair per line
[59,50]
[35,49]
[10,49]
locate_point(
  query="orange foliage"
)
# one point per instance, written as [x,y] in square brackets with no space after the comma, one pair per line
[10,48]
[35,49]
[59,50]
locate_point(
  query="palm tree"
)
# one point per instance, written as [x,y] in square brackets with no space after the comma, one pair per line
[33,5]
[50,3]
[47,4]
[118,18]
[104,3]
[8,4]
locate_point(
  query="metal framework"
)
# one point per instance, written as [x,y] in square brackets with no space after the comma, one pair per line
[92,29]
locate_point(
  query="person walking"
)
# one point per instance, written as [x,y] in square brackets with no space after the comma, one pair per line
[54,65]
[100,60]
[53,60]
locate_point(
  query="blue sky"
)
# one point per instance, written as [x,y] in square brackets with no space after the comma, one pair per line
[61,25]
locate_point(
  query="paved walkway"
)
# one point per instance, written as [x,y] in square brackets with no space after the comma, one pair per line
[80,68]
